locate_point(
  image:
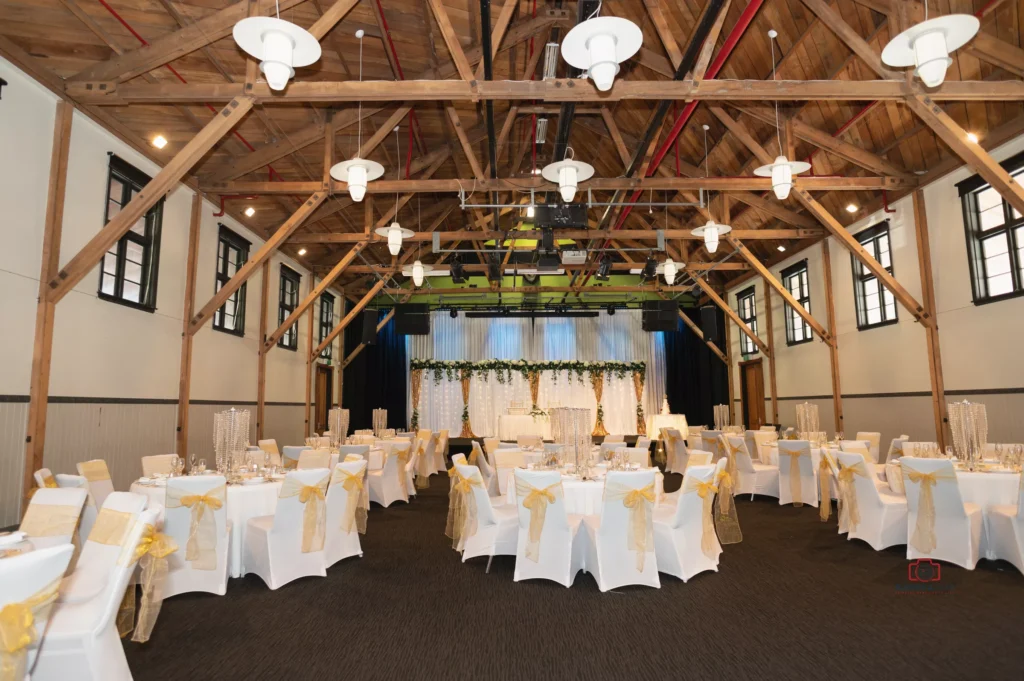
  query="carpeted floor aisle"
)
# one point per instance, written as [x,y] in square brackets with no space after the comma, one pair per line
[793,600]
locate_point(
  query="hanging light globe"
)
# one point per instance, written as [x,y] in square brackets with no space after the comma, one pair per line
[927,46]
[418,272]
[710,232]
[670,271]
[356,173]
[782,171]
[394,233]
[568,174]
[279,45]
[597,46]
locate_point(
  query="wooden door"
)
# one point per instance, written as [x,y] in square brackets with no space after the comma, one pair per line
[323,395]
[752,386]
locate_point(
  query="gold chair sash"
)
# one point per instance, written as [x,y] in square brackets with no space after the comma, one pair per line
[795,488]
[270,448]
[95,470]
[50,520]
[314,515]
[49,481]
[706,491]
[824,475]
[462,509]
[354,515]
[639,533]
[474,456]
[352,458]
[727,521]
[536,501]
[151,554]
[201,549]
[733,450]
[923,539]
[711,443]
[289,463]
[848,509]
[423,467]
[18,630]
[403,455]
[111,527]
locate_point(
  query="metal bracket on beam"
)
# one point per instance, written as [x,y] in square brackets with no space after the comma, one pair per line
[661,240]
[436,243]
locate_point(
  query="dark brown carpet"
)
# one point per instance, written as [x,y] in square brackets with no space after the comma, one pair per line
[793,600]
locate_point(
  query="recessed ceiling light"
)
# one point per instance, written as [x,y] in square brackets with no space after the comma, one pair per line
[536,171]
[159,141]
[250,211]
[971,137]
[851,208]
[302,251]
[782,249]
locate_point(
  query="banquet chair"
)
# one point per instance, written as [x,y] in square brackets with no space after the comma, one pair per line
[81,640]
[89,510]
[952,530]
[486,471]
[52,516]
[159,464]
[763,441]
[609,448]
[460,459]
[524,441]
[860,447]
[421,462]
[362,451]
[273,453]
[753,478]
[873,439]
[549,548]
[896,448]
[869,513]
[490,444]
[675,450]
[497,527]
[196,518]
[314,458]
[685,542]
[274,544]
[709,443]
[696,457]
[807,480]
[97,477]
[617,437]
[344,501]
[505,460]
[386,486]
[611,531]
[751,444]
[440,451]
[643,442]
[324,441]
[1006,530]
[30,580]
[290,458]
[636,455]
[44,478]
[693,434]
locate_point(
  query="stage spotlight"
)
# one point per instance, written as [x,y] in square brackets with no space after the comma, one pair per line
[458,272]
[453,313]
[650,271]
[494,270]
[603,270]
[611,309]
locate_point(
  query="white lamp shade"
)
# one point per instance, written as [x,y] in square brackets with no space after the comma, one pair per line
[279,45]
[417,273]
[782,178]
[711,237]
[278,48]
[530,211]
[603,65]
[599,45]
[357,182]
[356,173]
[567,182]
[931,56]
[394,238]
[927,45]
[670,272]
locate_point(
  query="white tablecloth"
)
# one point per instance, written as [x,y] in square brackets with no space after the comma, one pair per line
[243,502]
[582,497]
[510,426]
[986,489]
[658,421]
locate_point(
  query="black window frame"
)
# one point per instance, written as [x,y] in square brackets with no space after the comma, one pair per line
[791,316]
[870,239]
[326,322]
[132,181]
[747,345]
[1012,229]
[287,301]
[228,239]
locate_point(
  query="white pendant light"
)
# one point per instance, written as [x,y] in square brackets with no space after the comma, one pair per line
[356,172]
[394,233]
[599,45]
[781,170]
[418,272]
[670,271]
[927,45]
[568,174]
[710,232]
[279,45]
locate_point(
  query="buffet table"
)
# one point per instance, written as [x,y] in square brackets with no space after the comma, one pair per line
[511,426]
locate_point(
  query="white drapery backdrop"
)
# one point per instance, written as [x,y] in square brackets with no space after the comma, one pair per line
[586,339]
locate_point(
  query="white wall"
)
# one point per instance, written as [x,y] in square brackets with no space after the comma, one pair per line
[115,357]
[884,371]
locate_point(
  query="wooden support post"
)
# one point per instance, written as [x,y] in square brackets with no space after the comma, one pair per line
[833,347]
[700,334]
[728,372]
[185,379]
[309,355]
[39,388]
[359,348]
[773,386]
[352,314]
[261,371]
[924,258]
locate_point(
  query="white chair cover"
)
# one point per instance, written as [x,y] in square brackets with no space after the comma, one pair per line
[496,528]
[158,464]
[940,525]
[675,450]
[440,451]
[362,451]
[1006,530]
[858,447]
[875,516]
[763,440]
[625,521]
[613,437]
[549,546]
[873,439]
[753,478]
[696,457]
[643,442]
[290,458]
[636,455]
[347,503]
[896,448]
[798,478]
[314,458]
[389,483]
[608,449]
[52,516]
[709,443]
[196,518]
[505,460]
[684,534]
[44,478]
[97,478]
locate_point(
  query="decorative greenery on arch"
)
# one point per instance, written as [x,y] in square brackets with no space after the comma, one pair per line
[503,368]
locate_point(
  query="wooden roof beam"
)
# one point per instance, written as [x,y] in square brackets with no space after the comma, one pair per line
[451,39]
[500,26]
[853,40]
[579,234]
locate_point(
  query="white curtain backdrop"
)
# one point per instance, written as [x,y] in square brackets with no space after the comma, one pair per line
[587,339]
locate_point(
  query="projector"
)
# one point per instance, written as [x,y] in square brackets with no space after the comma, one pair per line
[574,257]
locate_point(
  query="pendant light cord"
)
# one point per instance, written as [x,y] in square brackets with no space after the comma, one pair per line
[778,126]
[398,154]
[359,114]
[278,6]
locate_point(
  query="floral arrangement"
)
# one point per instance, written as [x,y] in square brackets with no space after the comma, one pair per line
[415,423]
[504,368]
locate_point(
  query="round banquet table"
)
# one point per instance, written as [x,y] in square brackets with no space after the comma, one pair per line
[243,502]
[583,497]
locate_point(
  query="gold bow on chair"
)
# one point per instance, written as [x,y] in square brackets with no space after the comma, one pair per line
[50,520]
[423,467]
[848,509]
[727,521]
[289,463]
[923,539]
[18,630]
[48,481]
[402,454]
[824,490]
[536,501]
[151,554]
[314,523]
[639,534]
[95,470]
[462,511]
[710,443]
[706,491]
[355,510]
[201,549]
[795,488]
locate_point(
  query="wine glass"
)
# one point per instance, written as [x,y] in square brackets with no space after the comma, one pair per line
[192,462]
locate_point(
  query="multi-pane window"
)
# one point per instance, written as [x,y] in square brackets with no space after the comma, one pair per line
[747,310]
[875,303]
[129,269]
[794,278]
[288,300]
[232,252]
[326,321]
[995,238]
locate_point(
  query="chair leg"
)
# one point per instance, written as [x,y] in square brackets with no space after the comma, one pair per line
[488,570]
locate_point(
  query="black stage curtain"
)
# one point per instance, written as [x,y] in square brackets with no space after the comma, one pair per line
[695,379]
[376,378]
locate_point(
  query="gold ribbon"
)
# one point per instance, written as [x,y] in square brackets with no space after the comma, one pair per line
[423,467]
[824,475]
[49,482]
[50,520]
[536,501]
[289,463]
[733,450]
[94,471]
[795,488]
[314,522]
[923,539]
[269,447]
[462,510]
[727,522]
[18,629]
[111,527]
[201,549]
[355,510]
[706,491]
[711,443]
[639,534]
[848,494]
[151,554]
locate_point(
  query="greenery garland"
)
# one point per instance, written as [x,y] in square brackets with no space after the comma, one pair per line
[503,368]
[415,424]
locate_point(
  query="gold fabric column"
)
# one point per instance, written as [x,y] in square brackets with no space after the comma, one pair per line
[534,378]
[464,377]
[597,381]
[638,388]
[415,384]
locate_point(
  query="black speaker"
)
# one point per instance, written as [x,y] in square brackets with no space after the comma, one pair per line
[412,319]
[659,315]
[709,323]
[369,327]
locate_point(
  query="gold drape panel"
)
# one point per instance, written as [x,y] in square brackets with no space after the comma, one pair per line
[46,520]
[923,537]
[151,554]
[462,510]
[795,488]
[415,384]
[638,388]
[533,377]
[94,470]
[18,629]
[848,494]
[464,379]
[824,475]
[314,522]
[201,548]
[706,491]
[597,382]
[358,501]
[639,533]
[536,501]
[726,516]
[110,527]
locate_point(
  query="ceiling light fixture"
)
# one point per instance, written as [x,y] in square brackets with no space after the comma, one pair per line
[710,232]
[356,172]
[927,45]
[394,232]
[781,170]
[851,208]
[568,173]
[279,45]
[599,44]
[972,138]
[781,249]
[453,313]
[418,268]
[670,271]
[250,211]
[159,141]
[603,270]
[302,251]
[650,270]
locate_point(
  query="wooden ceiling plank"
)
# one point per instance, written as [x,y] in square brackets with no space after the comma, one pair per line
[451,39]
[502,24]
[332,16]
[997,52]
[851,38]
[664,32]
[467,148]
[706,50]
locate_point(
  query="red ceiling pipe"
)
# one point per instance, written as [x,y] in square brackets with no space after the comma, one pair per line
[401,75]
[232,196]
